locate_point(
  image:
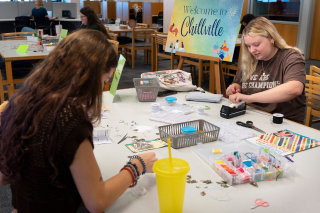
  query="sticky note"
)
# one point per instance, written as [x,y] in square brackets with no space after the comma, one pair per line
[266,150]
[22,48]
[219,161]
[216,151]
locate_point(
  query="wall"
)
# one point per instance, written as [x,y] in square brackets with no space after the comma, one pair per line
[167,12]
[315,39]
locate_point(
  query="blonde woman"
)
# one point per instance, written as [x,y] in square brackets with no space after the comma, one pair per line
[272,74]
[40,11]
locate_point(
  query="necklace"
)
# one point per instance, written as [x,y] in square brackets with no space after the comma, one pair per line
[264,70]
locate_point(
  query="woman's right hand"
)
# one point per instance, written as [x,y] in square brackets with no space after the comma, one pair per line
[233,89]
[149,159]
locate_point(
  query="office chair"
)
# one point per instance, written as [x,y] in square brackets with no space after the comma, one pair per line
[43,23]
[21,22]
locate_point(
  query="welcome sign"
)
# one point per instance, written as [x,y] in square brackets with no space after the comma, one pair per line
[205,27]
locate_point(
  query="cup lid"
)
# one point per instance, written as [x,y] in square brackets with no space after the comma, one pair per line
[188,129]
[170,98]
[179,167]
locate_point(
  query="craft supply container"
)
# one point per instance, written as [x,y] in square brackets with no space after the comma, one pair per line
[171,101]
[207,132]
[147,89]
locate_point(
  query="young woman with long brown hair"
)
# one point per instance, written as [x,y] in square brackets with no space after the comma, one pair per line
[46,149]
[90,20]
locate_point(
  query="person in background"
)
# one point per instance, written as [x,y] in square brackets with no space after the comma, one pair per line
[272,74]
[90,20]
[244,22]
[40,11]
[46,142]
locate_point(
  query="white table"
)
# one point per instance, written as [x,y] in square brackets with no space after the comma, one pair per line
[9,54]
[294,195]
[116,29]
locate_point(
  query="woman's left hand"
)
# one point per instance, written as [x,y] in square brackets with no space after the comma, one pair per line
[238,97]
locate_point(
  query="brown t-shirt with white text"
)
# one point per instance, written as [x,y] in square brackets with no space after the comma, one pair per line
[287,65]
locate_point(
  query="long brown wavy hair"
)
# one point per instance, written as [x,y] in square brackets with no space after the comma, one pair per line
[74,70]
[93,19]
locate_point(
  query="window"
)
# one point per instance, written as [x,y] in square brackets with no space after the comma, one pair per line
[277,10]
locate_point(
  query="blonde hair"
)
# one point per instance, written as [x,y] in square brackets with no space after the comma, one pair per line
[259,27]
[39,4]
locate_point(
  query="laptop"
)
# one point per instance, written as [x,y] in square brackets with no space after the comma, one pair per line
[50,14]
[66,14]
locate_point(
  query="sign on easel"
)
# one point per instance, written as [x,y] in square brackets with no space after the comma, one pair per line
[205,27]
[116,77]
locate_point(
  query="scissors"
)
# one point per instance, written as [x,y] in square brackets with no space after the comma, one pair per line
[249,124]
[260,202]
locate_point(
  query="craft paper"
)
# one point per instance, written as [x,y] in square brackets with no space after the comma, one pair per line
[284,142]
[116,77]
[205,27]
[22,48]
[156,145]
[63,34]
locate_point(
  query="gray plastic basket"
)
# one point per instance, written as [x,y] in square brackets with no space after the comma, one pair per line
[147,89]
[179,140]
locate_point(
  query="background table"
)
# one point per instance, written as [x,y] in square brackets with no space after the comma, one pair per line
[294,195]
[9,54]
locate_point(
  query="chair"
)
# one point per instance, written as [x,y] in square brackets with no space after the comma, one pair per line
[113,36]
[313,96]
[43,23]
[21,22]
[197,62]
[16,35]
[161,40]
[215,79]
[142,25]
[20,69]
[115,46]
[139,33]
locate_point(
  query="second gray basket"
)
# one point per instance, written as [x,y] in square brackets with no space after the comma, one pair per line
[147,89]
[207,132]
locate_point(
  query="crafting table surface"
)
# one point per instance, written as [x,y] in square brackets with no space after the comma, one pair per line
[289,194]
[114,28]
[8,49]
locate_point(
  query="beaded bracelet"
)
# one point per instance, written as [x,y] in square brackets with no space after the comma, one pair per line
[132,175]
[136,167]
[142,162]
[136,177]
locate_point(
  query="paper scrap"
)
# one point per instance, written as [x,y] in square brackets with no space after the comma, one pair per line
[156,145]
[22,48]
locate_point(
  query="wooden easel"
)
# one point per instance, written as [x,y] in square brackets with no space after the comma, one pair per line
[216,79]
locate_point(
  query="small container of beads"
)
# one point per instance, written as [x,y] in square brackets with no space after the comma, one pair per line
[188,130]
[171,101]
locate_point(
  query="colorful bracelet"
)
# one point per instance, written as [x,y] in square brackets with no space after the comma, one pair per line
[142,162]
[132,175]
[136,168]
[136,176]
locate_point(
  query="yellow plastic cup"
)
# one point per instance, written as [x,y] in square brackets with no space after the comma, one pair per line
[171,184]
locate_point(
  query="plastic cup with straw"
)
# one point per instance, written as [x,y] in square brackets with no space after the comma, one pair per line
[171,174]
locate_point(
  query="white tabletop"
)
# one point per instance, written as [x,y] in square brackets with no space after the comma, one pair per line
[113,27]
[8,49]
[294,195]
[67,19]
